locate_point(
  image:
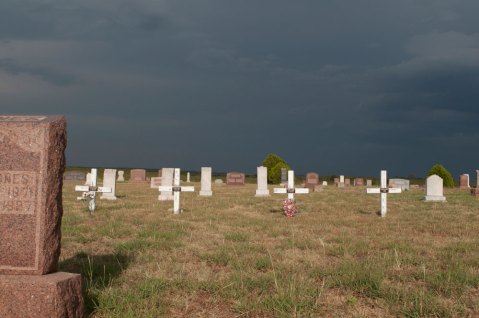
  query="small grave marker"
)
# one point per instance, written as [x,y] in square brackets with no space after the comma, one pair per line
[74,176]
[109,181]
[434,189]
[137,175]
[383,190]
[121,176]
[464,181]
[206,182]
[291,190]
[176,189]
[235,178]
[262,190]
[166,181]
[155,182]
[90,191]
[312,180]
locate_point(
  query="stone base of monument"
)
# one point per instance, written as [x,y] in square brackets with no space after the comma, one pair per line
[435,198]
[475,192]
[262,193]
[52,295]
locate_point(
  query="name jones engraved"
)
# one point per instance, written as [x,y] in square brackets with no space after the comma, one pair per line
[17,192]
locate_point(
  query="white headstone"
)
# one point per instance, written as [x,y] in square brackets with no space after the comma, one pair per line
[325,183]
[206,182]
[90,190]
[88,179]
[399,183]
[434,189]
[384,190]
[121,176]
[291,190]
[218,181]
[166,181]
[155,182]
[262,190]
[369,183]
[341,182]
[109,181]
[176,189]
[188,177]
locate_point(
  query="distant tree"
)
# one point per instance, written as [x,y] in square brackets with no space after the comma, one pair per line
[274,176]
[270,161]
[443,173]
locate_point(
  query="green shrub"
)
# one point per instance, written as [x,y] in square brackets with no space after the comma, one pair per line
[443,173]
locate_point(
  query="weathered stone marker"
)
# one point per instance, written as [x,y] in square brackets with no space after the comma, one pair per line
[89,191]
[384,190]
[176,189]
[291,190]
[32,163]
[206,182]
[166,181]
[109,181]
[434,189]
[262,175]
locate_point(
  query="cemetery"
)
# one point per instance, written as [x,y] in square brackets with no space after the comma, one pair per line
[235,253]
[175,244]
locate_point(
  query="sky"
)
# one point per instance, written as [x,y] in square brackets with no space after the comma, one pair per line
[335,87]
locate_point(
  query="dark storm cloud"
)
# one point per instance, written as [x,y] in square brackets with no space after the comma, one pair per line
[338,87]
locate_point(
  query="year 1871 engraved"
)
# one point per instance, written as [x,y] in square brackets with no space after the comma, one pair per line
[17,192]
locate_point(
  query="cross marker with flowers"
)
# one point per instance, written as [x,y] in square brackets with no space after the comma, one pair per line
[289,204]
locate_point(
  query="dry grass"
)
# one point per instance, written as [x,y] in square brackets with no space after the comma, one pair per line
[234,255]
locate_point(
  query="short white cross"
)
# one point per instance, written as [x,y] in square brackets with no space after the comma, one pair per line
[89,191]
[291,190]
[384,190]
[176,189]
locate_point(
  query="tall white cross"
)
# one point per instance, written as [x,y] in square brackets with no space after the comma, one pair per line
[291,190]
[89,191]
[383,190]
[176,189]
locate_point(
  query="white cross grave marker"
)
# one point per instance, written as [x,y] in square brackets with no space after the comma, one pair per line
[89,191]
[384,190]
[176,189]
[291,190]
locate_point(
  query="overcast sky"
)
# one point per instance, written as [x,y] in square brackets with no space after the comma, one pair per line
[336,87]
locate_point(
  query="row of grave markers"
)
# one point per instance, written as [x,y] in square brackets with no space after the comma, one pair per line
[170,188]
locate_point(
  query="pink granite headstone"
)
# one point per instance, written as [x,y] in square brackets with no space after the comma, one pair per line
[32,163]
[464,181]
[137,175]
[235,178]
[311,181]
[358,182]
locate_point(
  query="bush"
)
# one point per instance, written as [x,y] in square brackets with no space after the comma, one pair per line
[274,176]
[443,173]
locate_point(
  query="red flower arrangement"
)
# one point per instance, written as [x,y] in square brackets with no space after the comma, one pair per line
[289,207]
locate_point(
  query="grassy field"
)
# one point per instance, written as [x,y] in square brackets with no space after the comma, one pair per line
[234,255]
